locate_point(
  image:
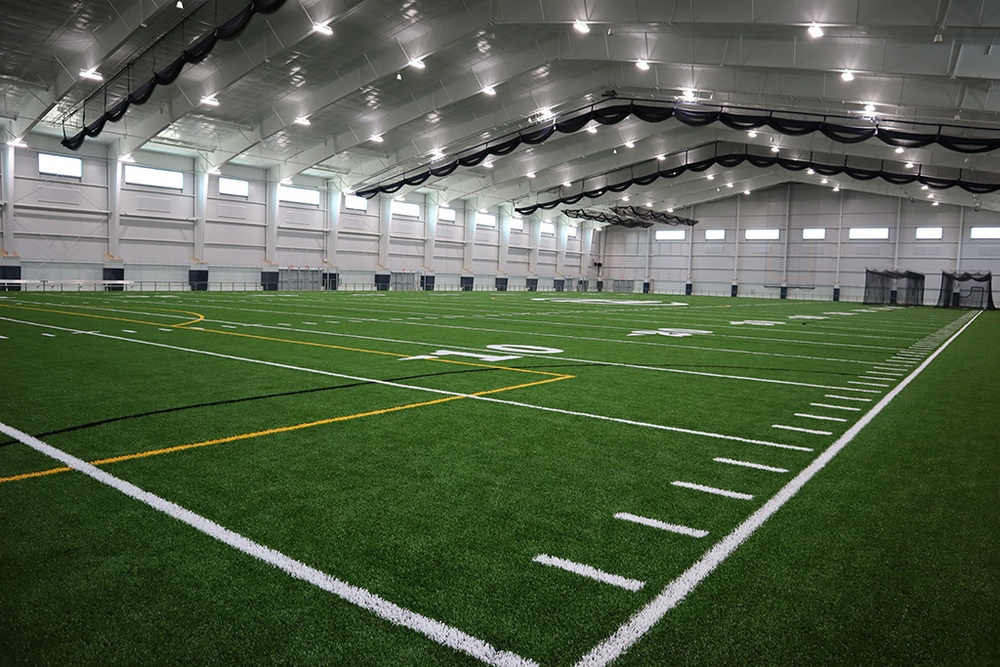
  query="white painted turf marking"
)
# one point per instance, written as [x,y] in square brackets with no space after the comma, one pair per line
[439,632]
[713,490]
[867,384]
[675,592]
[848,398]
[48,335]
[747,464]
[590,572]
[806,415]
[835,407]
[801,430]
[653,523]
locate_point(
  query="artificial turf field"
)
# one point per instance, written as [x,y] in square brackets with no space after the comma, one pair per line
[460,478]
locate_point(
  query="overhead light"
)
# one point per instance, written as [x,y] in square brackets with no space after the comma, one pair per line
[437,154]
[210,100]
[752,134]
[530,174]
[774,149]
[302,120]
[489,90]
[925,187]
[91,74]
[642,64]
[899,149]
[938,38]
[870,108]
[846,75]
[670,210]
[399,76]
[687,94]
[17,142]
[581,26]
[545,113]
[417,63]
[729,185]
[377,138]
[592,129]
[626,198]
[824,181]
[930,196]
[323,28]
[649,204]
[815,31]
[126,158]
[810,171]
[711,177]
[746,192]
[629,144]
[180,4]
[488,164]
[935,203]
[836,188]
[908,165]
[566,184]
[661,157]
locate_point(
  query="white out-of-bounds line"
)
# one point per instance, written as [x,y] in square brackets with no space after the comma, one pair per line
[675,592]
[835,407]
[713,490]
[653,523]
[590,572]
[848,398]
[806,415]
[399,385]
[748,464]
[439,632]
[797,429]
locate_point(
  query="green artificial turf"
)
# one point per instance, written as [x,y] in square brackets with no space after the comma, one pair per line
[340,450]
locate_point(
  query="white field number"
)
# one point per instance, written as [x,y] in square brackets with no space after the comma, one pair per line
[513,352]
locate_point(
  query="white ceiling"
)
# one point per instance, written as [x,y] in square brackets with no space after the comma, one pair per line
[932,61]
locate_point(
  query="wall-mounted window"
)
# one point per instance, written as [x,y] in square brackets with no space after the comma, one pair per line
[298,195]
[355,203]
[762,234]
[814,234]
[868,233]
[715,234]
[405,209]
[669,235]
[930,233]
[157,178]
[447,214]
[548,228]
[517,224]
[60,165]
[984,233]
[234,186]
[485,220]
[571,232]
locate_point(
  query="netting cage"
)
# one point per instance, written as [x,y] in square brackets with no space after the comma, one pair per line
[890,286]
[966,290]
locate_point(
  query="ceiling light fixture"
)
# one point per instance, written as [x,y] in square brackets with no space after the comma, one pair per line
[437,154]
[729,185]
[417,63]
[642,64]
[323,28]
[774,149]
[836,188]
[649,204]
[752,134]
[810,171]
[581,26]
[846,75]
[566,184]
[545,113]
[661,157]
[377,138]
[925,187]
[908,165]
[488,164]
[592,129]
[92,74]
[711,177]
[824,181]
[530,174]
[489,90]
[815,31]
[302,120]
[629,144]
[180,4]
[670,210]
[869,107]
[935,203]
[210,100]
[899,149]
[687,93]
[626,198]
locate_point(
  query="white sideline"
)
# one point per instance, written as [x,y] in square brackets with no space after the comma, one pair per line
[653,523]
[747,464]
[439,632]
[714,491]
[590,572]
[675,592]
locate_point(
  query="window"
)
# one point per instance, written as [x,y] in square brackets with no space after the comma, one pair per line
[446,214]
[984,233]
[60,165]
[157,178]
[715,234]
[485,220]
[669,235]
[355,203]
[405,209]
[814,234]
[548,228]
[868,233]
[571,232]
[234,186]
[930,232]
[298,195]
[762,234]
[517,224]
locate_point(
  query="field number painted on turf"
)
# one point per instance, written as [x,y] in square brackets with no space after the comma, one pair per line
[514,352]
[672,333]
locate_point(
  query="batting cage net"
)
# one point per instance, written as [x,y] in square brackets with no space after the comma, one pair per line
[907,285]
[966,290]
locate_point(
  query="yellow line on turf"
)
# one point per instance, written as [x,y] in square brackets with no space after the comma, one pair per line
[273,431]
[198,317]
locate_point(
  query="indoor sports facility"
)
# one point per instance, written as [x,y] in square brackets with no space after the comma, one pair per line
[497,332]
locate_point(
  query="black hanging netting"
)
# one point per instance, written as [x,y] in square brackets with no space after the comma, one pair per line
[966,290]
[909,287]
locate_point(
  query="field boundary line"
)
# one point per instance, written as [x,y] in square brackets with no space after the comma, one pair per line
[198,316]
[437,631]
[677,590]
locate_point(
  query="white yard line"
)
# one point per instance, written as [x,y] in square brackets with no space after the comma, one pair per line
[654,523]
[748,464]
[835,407]
[713,490]
[675,592]
[806,415]
[798,429]
[848,398]
[590,572]
[867,384]
[439,632]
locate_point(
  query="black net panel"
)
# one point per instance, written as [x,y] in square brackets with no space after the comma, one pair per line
[966,290]
[909,287]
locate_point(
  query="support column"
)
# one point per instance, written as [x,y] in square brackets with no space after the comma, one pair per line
[271,218]
[840,242]
[505,213]
[586,232]
[562,234]
[961,239]
[787,240]
[689,282]
[201,178]
[384,227]
[468,246]
[116,169]
[535,238]
[334,198]
[899,222]
[7,195]
[650,235]
[734,289]
[430,231]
